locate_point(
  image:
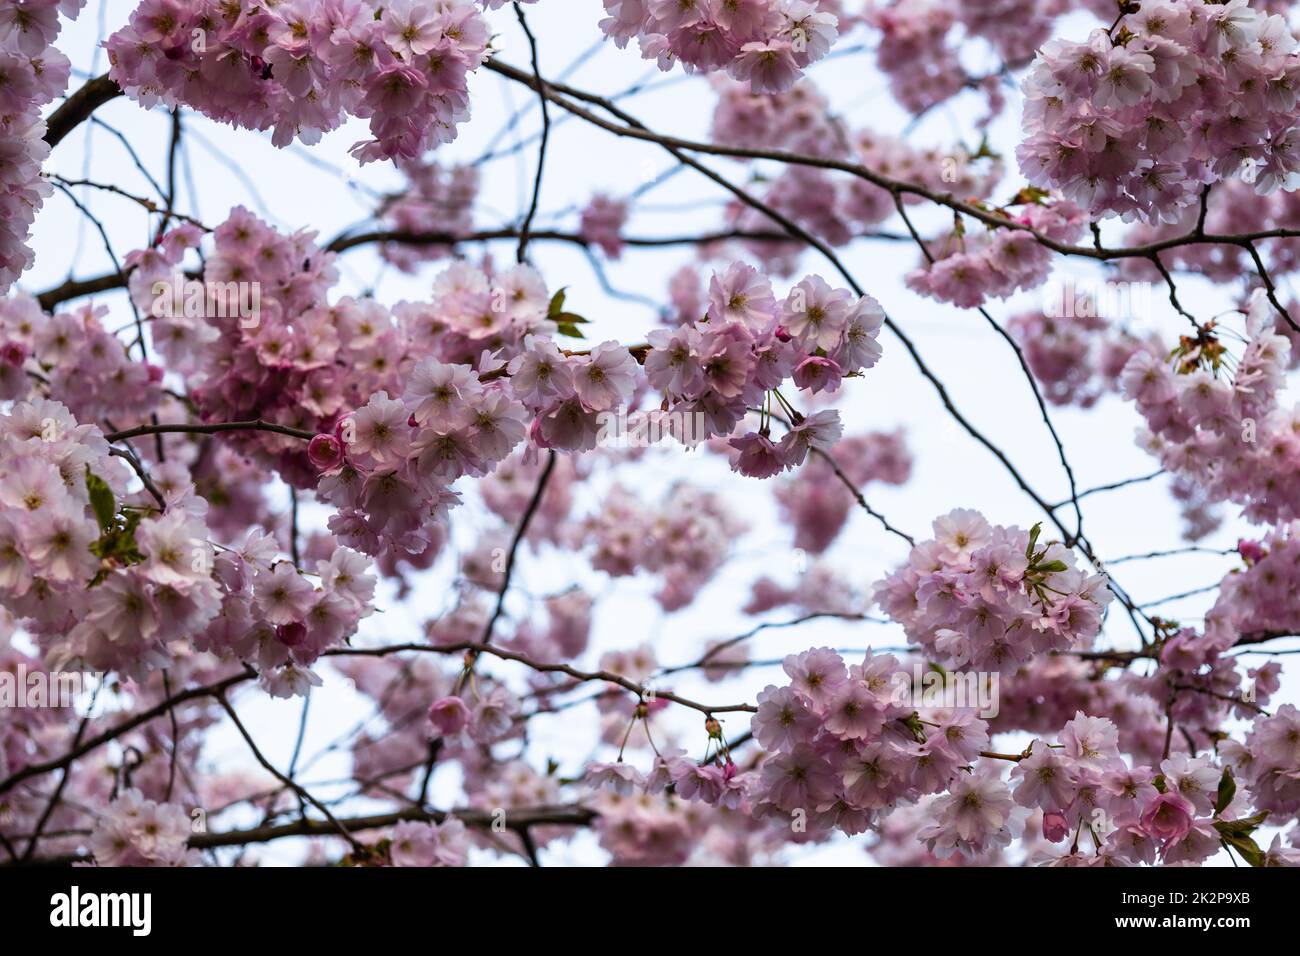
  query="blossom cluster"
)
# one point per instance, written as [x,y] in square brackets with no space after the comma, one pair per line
[1042,694]
[1089,795]
[416,843]
[390,475]
[299,362]
[47,521]
[656,829]
[34,73]
[843,745]
[748,344]
[841,751]
[279,362]
[1259,598]
[767,43]
[1269,763]
[163,295]
[424,704]
[107,579]
[1135,121]
[1199,685]
[134,831]
[273,617]
[710,370]
[714,783]
[967,269]
[799,118]
[76,358]
[991,597]
[508,491]
[402,692]
[565,632]
[819,588]
[1226,433]
[299,69]
[914,53]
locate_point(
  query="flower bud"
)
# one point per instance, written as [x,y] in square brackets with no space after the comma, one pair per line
[325,452]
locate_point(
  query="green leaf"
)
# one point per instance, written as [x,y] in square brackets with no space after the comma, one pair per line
[1051,566]
[1248,848]
[1034,532]
[117,543]
[1244,827]
[567,322]
[101,500]
[1227,790]
[557,304]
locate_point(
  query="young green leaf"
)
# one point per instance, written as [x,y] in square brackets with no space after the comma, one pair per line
[1227,790]
[101,500]
[557,304]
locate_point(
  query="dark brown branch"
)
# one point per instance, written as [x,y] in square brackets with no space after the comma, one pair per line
[576,816]
[76,109]
[513,553]
[303,794]
[527,224]
[210,429]
[599,675]
[512,819]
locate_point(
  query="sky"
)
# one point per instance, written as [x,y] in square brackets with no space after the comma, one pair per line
[323,188]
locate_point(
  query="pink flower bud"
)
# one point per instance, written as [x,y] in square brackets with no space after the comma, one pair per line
[1252,551]
[448,716]
[1054,827]
[325,452]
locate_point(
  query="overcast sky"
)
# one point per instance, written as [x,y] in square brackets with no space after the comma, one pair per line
[297,187]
